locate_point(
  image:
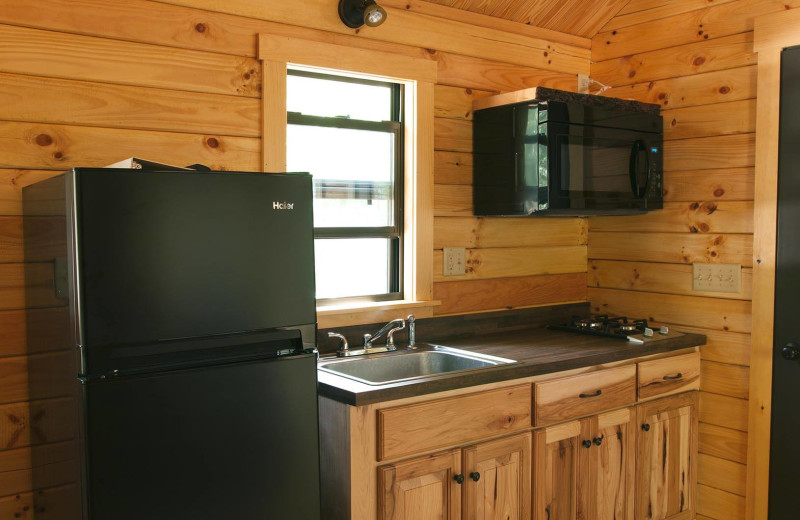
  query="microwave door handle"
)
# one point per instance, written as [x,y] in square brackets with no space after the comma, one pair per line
[633,167]
[648,169]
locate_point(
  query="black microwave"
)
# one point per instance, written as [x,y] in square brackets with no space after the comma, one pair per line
[568,158]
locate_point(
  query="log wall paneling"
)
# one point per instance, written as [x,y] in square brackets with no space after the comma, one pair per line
[90,82]
[697,60]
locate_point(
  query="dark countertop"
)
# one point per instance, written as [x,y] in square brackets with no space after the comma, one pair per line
[537,351]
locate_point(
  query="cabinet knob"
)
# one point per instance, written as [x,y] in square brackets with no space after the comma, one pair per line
[646,427]
[475,476]
[587,443]
[459,479]
[598,440]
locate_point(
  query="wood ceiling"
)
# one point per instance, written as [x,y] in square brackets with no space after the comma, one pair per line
[579,17]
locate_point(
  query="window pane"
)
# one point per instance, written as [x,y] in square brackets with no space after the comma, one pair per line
[353,174]
[352,266]
[327,98]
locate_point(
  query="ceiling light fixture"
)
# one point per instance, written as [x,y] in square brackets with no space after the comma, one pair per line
[355,13]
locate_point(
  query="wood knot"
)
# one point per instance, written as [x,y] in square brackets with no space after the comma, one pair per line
[703,227]
[694,205]
[201,27]
[692,229]
[44,140]
[719,192]
[662,96]
[674,122]
[58,155]
[724,89]
[631,73]
[545,54]
[699,61]
[212,142]
[246,75]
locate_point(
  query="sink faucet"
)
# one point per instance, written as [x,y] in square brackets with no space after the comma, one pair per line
[393,326]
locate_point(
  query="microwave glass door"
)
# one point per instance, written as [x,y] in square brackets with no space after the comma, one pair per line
[596,164]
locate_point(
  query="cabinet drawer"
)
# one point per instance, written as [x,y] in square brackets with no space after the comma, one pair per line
[586,394]
[420,427]
[670,375]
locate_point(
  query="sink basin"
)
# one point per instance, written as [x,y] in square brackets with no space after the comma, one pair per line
[425,361]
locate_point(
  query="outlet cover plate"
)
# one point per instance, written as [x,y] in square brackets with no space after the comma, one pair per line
[454,261]
[721,278]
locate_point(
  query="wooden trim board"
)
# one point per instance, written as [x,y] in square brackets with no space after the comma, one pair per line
[773,33]
[418,75]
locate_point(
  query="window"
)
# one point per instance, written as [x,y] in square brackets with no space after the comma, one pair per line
[348,133]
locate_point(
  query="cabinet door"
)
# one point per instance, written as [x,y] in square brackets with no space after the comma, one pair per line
[606,466]
[498,479]
[555,470]
[424,488]
[666,463]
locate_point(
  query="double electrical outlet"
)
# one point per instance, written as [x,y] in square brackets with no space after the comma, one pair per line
[455,259]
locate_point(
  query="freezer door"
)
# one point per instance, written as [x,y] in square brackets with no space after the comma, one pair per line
[170,255]
[232,441]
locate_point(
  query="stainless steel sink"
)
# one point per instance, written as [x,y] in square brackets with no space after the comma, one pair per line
[425,361]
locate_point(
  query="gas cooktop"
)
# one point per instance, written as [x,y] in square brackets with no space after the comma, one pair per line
[619,327]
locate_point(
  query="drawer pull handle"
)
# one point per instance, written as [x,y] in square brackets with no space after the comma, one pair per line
[599,440]
[645,427]
[475,476]
[587,443]
[459,479]
[596,394]
[671,378]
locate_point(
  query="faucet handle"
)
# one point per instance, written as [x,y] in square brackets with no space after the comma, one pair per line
[390,336]
[367,340]
[343,346]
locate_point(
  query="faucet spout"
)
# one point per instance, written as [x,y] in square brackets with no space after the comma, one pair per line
[391,327]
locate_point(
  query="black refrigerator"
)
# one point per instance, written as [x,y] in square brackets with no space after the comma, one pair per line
[187,302]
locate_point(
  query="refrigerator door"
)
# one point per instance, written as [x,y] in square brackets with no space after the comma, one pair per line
[169,255]
[228,441]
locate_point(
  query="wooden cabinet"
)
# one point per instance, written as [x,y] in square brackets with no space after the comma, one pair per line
[555,470]
[578,446]
[570,397]
[498,479]
[606,469]
[666,376]
[494,484]
[421,489]
[666,458]
[584,470]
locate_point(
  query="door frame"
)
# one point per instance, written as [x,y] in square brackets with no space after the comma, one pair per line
[773,33]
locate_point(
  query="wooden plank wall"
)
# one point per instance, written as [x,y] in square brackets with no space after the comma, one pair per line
[91,82]
[695,58]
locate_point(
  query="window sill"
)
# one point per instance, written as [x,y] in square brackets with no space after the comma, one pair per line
[372,312]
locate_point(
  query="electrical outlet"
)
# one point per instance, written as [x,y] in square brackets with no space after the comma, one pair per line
[725,278]
[454,261]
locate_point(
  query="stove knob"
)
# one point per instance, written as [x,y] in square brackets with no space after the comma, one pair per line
[664,331]
[648,333]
